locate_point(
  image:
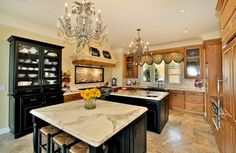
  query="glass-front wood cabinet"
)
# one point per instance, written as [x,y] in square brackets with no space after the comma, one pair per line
[193,64]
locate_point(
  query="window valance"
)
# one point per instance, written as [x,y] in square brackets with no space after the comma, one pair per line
[166,57]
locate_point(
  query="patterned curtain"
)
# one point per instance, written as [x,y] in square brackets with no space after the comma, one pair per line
[157,58]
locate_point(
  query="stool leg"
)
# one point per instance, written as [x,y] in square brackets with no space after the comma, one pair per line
[48,143]
[63,149]
[52,146]
[40,142]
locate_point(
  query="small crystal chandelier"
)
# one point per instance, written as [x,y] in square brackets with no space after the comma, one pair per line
[139,49]
[81,29]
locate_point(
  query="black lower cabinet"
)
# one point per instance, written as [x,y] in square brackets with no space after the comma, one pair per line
[130,140]
[157,114]
[20,119]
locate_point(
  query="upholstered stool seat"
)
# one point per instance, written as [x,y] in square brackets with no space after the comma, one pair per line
[49,131]
[80,147]
[64,141]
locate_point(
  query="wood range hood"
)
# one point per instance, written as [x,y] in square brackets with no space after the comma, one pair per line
[95,57]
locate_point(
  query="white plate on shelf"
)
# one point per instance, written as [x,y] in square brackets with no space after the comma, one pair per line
[21,60]
[21,75]
[30,68]
[28,61]
[24,68]
[24,83]
[52,54]
[32,75]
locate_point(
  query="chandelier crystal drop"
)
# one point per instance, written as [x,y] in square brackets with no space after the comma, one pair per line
[78,24]
[140,49]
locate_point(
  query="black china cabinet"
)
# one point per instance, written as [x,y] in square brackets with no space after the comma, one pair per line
[34,81]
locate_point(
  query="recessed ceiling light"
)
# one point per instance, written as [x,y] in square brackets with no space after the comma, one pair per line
[182,11]
[185,31]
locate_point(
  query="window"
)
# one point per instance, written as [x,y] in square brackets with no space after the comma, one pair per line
[146,73]
[162,73]
[159,72]
[174,72]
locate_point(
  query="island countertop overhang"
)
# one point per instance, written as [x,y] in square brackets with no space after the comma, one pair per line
[91,126]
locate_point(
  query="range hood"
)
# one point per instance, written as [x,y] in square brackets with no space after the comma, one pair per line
[95,56]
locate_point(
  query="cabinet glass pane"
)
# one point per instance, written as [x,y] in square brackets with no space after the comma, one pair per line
[28,65]
[193,52]
[51,70]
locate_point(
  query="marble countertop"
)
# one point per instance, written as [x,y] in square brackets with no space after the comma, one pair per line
[91,126]
[182,88]
[155,95]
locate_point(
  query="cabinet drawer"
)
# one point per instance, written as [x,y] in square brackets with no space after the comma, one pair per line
[28,91]
[52,89]
[31,100]
[54,98]
[194,107]
[194,99]
[195,93]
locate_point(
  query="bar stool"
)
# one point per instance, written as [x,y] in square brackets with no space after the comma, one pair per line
[48,131]
[64,141]
[80,147]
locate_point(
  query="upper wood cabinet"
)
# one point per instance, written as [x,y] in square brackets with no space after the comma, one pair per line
[193,62]
[227,10]
[131,69]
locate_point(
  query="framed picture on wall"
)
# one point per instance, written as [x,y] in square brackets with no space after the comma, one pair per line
[86,74]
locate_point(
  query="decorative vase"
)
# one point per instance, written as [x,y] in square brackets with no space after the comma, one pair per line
[90,103]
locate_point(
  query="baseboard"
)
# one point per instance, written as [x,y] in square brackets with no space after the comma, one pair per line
[4,130]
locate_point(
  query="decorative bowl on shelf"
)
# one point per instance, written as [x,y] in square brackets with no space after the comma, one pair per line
[24,50]
[21,60]
[51,81]
[33,50]
[21,75]
[32,75]
[28,61]
[23,68]
[24,83]
[54,63]
[52,54]
[30,68]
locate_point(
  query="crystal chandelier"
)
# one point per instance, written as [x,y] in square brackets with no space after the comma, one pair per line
[140,50]
[79,27]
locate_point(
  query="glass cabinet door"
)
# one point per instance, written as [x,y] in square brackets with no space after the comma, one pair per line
[28,73]
[193,63]
[51,67]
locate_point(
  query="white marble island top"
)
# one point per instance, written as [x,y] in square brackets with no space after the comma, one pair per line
[152,95]
[91,126]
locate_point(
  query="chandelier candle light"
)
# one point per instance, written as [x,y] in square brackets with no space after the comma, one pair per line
[81,29]
[140,49]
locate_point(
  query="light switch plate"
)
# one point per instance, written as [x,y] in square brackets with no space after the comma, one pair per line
[2,88]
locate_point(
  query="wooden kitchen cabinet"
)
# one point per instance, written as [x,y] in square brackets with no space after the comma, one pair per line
[193,62]
[176,99]
[131,69]
[227,143]
[194,101]
[227,11]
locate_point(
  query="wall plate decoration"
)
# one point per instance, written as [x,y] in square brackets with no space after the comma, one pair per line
[94,51]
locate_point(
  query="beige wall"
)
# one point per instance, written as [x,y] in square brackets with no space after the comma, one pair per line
[5,33]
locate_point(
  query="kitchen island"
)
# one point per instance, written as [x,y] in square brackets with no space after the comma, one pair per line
[119,127]
[156,102]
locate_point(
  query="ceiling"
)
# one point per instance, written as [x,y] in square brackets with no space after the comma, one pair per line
[160,20]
